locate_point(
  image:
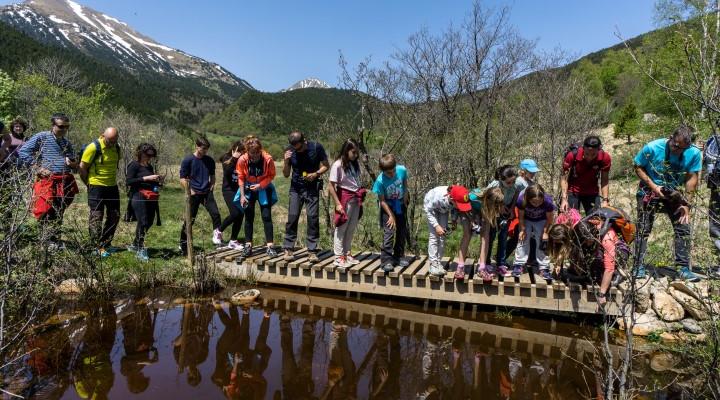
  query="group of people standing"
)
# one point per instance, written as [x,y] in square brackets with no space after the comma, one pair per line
[512,209]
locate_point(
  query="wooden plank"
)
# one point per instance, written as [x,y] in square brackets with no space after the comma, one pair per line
[321,256]
[398,269]
[423,271]
[412,268]
[299,260]
[281,263]
[355,269]
[326,259]
[229,257]
[370,268]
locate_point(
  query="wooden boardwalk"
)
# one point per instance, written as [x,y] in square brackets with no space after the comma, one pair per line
[413,281]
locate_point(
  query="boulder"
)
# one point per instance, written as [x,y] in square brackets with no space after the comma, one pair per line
[663,361]
[698,290]
[74,286]
[690,304]
[245,296]
[645,324]
[642,296]
[691,325]
[673,337]
[666,307]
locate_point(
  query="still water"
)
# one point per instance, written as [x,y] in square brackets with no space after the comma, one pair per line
[296,346]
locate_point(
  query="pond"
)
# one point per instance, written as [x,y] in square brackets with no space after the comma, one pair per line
[291,345]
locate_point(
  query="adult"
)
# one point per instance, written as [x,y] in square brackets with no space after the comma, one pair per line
[197,172]
[144,186]
[229,190]
[11,142]
[307,161]
[583,170]
[711,157]
[256,171]
[669,163]
[52,158]
[98,170]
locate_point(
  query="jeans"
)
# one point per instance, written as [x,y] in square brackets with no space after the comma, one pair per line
[588,202]
[311,199]
[235,218]
[208,201]
[501,230]
[393,245]
[646,218]
[265,213]
[145,212]
[104,202]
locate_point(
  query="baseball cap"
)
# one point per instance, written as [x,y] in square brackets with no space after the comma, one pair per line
[529,165]
[460,195]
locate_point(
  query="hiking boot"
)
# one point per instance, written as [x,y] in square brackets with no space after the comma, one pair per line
[517,270]
[103,253]
[545,274]
[247,250]
[640,272]
[271,252]
[436,269]
[235,245]
[482,272]
[460,272]
[313,257]
[687,275]
[142,255]
[389,267]
[217,237]
[340,262]
[502,270]
[288,255]
[350,260]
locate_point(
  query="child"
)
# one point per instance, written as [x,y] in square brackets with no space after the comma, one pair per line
[437,206]
[391,189]
[489,207]
[506,178]
[535,215]
[527,174]
[347,192]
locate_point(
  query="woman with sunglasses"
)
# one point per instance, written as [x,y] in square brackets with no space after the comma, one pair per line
[144,186]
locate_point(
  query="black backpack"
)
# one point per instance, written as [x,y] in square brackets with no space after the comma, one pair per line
[574,148]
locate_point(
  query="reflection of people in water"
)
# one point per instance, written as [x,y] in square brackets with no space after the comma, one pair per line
[191,347]
[228,344]
[246,378]
[341,371]
[138,340]
[297,380]
[385,381]
[50,355]
[93,375]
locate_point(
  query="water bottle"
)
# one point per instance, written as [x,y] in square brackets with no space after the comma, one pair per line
[156,188]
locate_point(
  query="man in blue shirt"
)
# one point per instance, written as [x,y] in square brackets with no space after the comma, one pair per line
[669,164]
[307,161]
[198,172]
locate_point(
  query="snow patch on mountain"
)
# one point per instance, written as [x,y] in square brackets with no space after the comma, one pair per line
[309,83]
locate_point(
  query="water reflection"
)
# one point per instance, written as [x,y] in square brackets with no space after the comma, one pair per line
[276,352]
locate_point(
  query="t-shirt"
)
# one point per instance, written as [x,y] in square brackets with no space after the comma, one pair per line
[392,189]
[306,162]
[198,171]
[256,168]
[45,150]
[536,213]
[585,178]
[230,176]
[102,172]
[135,174]
[508,191]
[348,179]
[652,158]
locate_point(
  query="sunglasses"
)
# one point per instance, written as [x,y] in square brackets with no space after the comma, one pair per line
[675,145]
[63,127]
[151,154]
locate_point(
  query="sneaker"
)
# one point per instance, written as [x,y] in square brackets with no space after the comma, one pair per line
[714,272]
[402,263]
[247,250]
[482,272]
[517,270]
[312,257]
[460,272]
[271,252]
[142,255]
[132,248]
[351,260]
[217,237]
[687,275]
[545,274]
[56,246]
[340,262]
[288,255]
[235,245]
[639,272]
[502,270]
[436,269]
[103,253]
[389,267]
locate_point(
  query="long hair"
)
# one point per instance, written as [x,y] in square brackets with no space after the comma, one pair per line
[560,243]
[492,205]
[532,192]
[252,141]
[238,145]
[586,239]
[142,149]
[350,144]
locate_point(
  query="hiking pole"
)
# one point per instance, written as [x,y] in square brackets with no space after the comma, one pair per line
[188,226]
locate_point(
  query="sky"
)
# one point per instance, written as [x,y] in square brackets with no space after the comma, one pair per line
[273,44]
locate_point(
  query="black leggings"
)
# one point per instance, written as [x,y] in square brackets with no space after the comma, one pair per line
[235,218]
[145,212]
[265,213]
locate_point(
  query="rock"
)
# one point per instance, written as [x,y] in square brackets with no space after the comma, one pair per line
[645,324]
[673,337]
[74,286]
[642,297]
[698,290]
[650,118]
[691,325]
[666,307]
[663,361]
[245,296]
[700,338]
[690,304]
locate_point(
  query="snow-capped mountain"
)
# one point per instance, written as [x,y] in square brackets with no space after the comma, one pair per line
[309,83]
[69,24]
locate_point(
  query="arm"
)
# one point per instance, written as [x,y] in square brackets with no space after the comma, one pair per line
[428,208]
[83,171]
[608,245]
[388,211]
[269,174]
[691,182]
[212,182]
[521,225]
[286,163]
[5,147]
[564,190]
[605,188]
[484,241]
[549,216]
[640,172]
[334,195]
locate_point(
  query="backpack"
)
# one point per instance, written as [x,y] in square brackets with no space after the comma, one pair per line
[616,219]
[99,153]
[574,148]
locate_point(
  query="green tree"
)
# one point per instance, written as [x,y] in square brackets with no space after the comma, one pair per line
[628,122]
[7,97]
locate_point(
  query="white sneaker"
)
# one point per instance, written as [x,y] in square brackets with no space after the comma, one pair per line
[436,269]
[340,262]
[217,237]
[235,245]
[351,260]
